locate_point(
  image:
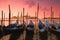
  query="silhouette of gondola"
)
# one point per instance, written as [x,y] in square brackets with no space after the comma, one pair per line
[1,35]
[56,31]
[42,31]
[29,31]
[53,29]
[17,32]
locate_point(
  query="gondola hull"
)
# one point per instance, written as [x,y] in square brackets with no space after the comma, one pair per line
[43,35]
[1,33]
[15,34]
[57,33]
[10,30]
[29,34]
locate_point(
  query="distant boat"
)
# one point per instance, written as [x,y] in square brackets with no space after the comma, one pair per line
[56,31]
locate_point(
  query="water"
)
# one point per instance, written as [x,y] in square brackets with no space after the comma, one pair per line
[22,36]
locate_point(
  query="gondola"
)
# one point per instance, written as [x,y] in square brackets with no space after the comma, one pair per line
[17,31]
[8,29]
[54,29]
[1,33]
[29,31]
[11,28]
[42,31]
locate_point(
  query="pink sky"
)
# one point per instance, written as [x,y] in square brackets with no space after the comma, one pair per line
[30,7]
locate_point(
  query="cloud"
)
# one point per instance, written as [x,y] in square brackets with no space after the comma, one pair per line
[31,3]
[56,2]
[42,2]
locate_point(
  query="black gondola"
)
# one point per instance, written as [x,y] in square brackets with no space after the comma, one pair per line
[1,33]
[42,31]
[17,32]
[56,31]
[29,31]
[53,29]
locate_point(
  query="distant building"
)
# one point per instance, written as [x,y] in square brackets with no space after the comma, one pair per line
[57,20]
